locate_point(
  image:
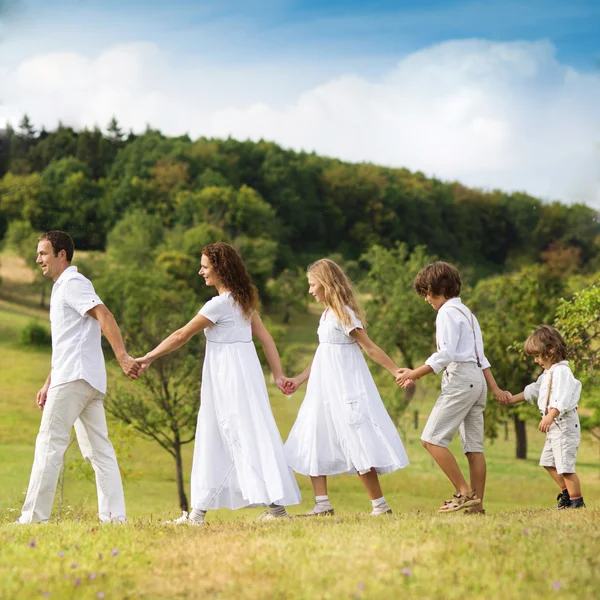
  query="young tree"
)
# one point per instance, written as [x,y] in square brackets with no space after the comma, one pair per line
[509,308]
[163,404]
[288,293]
[399,318]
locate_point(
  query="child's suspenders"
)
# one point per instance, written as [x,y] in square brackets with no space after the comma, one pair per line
[473,329]
[549,393]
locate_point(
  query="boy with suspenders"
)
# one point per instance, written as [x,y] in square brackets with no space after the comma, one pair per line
[467,376]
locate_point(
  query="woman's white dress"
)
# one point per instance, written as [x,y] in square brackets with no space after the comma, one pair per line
[342,425]
[239,459]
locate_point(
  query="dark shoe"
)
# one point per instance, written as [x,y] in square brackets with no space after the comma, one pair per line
[577,503]
[564,500]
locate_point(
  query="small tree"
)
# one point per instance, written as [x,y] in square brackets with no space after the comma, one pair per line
[288,293]
[163,404]
[509,307]
[578,320]
[399,318]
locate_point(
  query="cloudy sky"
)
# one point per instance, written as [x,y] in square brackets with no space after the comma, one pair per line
[496,94]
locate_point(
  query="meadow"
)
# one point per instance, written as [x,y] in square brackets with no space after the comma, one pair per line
[521,549]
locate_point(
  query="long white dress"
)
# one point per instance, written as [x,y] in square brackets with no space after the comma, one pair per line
[238,455]
[342,425]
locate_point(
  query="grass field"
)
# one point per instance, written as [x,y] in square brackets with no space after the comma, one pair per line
[522,549]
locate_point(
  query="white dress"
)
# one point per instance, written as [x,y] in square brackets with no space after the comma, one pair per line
[238,455]
[342,425]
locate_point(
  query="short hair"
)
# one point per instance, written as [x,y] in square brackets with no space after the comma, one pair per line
[60,241]
[546,342]
[438,278]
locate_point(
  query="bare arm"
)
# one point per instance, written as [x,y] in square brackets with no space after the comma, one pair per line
[111,331]
[175,340]
[517,398]
[260,332]
[500,395]
[373,351]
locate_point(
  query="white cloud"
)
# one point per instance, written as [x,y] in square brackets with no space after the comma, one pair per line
[489,114]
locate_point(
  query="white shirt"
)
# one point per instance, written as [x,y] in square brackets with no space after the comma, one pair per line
[76,337]
[454,337]
[565,392]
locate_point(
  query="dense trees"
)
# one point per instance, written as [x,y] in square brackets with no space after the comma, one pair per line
[295,206]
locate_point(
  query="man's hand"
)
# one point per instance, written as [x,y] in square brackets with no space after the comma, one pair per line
[502,396]
[130,366]
[41,397]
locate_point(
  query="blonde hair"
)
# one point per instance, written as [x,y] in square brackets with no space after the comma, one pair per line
[547,343]
[338,291]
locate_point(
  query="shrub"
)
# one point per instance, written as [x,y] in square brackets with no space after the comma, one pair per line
[35,334]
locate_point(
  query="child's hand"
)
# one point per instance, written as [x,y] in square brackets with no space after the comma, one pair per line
[403,375]
[287,385]
[503,397]
[546,423]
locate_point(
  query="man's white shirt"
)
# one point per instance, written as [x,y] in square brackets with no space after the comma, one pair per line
[76,336]
[454,337]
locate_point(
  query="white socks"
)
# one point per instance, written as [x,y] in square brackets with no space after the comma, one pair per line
[321,504]
[380,507]
[197,516]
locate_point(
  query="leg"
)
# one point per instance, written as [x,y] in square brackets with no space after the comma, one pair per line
[92,435]
[477,471]
[319,484]
[446,461]
[560,480]
[573,484]
[371,482]
[63,406]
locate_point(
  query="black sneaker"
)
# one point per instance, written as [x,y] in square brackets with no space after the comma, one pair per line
[577,503]
[564,500]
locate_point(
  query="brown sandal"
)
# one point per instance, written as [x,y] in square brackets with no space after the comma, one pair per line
[459,502]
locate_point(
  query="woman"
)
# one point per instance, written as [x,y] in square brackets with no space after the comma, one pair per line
[238,455]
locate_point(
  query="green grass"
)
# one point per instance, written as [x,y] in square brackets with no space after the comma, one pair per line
[519,550]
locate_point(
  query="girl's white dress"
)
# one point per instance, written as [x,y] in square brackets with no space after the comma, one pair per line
[239,459]
[342,425]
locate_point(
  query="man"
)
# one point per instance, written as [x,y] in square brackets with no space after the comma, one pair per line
[75,388]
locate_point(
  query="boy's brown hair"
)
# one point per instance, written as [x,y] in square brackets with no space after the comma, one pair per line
[547,343]
[439,279]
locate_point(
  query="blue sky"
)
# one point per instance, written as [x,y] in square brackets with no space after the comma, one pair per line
[496,93]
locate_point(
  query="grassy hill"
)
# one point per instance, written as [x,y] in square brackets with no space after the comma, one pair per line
[521,549]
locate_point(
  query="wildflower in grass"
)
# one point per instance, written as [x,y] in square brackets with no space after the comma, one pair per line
[525,531]
[556,585]
[77,582]
[46,594]
[92,576]
[73,565]
[520,575]
[406,572]
[61,554]
[32,544]
[100,555]
[361,586]
[115,553]
[100,595]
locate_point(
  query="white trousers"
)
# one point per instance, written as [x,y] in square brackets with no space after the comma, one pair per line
[74,403]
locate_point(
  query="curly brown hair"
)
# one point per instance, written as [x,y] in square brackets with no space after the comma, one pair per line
[230,269]
[438,278]
[547,343]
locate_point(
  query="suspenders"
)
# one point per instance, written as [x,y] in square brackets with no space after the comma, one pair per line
[549,393]
[473,329]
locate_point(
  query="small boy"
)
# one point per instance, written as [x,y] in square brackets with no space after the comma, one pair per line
[467,375]
[557,393]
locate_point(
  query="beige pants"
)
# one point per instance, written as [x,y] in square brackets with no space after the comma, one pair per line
[562,442]
[459,407]
[74,403]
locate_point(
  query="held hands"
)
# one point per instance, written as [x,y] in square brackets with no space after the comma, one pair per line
[405,378]
[143,363]
[130,366]
[287,385]
[502,396]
